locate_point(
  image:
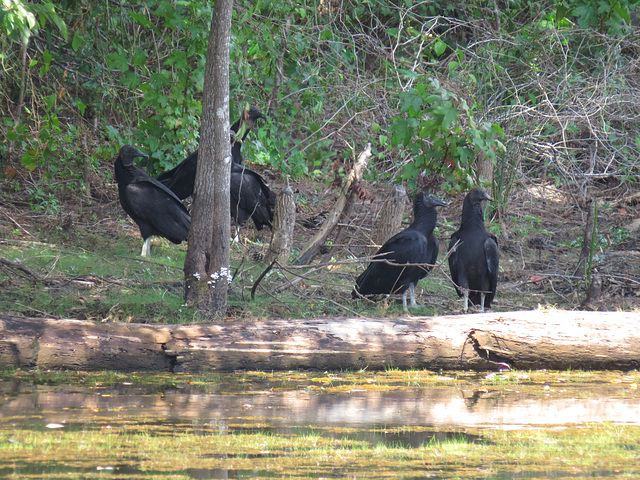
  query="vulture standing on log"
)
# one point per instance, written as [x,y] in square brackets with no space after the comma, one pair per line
[415,245]
[473,254]
[155,208]
[182,177]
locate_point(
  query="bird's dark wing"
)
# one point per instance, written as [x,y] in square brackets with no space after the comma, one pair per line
[453,259]
[433,248]
[154,205]
[491,255]
[152,182]
[248,198]
[408,246]
[181,179]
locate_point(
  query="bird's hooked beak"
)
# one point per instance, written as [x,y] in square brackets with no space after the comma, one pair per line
[137,153]
[440,203]
[430,199]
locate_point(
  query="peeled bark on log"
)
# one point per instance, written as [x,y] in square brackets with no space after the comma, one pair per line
[284,220]
[390,219]
[550,339]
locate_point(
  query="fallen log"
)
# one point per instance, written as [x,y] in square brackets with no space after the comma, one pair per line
[552,339]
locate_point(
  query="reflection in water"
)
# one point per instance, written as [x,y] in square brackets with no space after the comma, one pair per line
[405,417]
[415,407]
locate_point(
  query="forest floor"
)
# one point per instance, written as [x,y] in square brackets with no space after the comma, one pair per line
[76,255]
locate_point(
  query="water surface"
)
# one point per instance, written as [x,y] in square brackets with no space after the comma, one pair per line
[289,414]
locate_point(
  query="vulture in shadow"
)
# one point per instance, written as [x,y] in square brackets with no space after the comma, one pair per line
[155,209]
[473,254]
[251,198]
[417,244]
[181,178]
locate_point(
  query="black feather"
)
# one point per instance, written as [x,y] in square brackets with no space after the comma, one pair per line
[251,198]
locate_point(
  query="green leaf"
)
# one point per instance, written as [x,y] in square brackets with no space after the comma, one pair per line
[142,20]
[118,61]
[407,74]
[450,116]
[77,41]
[177,58]
[29,160]
[50,100]
[439,47]
[411,103]
[81,106]
[402,132]
[561,13]
[47,57]
[139,57]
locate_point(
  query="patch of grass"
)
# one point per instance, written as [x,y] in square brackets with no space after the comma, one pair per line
[99,283]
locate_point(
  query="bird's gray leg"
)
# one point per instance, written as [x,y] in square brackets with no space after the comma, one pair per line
[146,248]
[404,302]
[465,292]
[412,291]
[235,234]
[482,295]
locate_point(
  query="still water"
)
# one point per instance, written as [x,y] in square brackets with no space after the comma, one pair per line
[309,425]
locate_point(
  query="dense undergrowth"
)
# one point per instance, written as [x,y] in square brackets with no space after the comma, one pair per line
[538,100]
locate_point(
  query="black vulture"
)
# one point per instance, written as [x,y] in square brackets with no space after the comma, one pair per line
[182,177]
[474,261]
[415,245]
[251,198]
[155,208]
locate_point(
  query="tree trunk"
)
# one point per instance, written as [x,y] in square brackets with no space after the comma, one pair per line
[284,220]
[550,339]
[586,252]
[484,168]
[390,218]
[206,267]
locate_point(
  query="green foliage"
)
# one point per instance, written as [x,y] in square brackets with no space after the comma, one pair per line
[328,77]
[606,16]
[441,134]
[19,19]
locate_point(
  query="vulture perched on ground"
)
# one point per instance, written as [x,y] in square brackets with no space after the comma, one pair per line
[473,254]
[182,177]
[251,198]
[415,245]
[155,209]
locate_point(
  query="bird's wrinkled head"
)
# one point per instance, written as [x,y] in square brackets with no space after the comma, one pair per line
[430,200]
[478,195]
[128,153]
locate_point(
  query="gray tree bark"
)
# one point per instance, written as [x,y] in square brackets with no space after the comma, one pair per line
[552,339]
[390,219]
[206,267]
[284,220]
